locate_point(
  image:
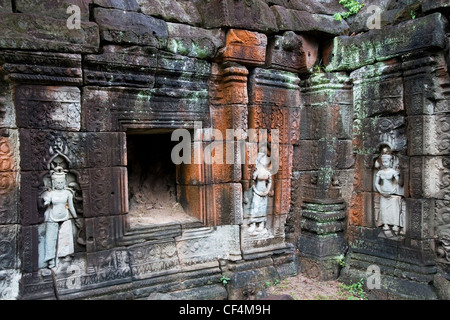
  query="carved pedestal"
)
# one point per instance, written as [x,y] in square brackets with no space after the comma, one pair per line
[322,240]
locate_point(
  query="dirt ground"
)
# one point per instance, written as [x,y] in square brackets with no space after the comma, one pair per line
[301,288]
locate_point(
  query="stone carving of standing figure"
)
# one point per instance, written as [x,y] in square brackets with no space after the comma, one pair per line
[261,187]
[387,183]
[59,213]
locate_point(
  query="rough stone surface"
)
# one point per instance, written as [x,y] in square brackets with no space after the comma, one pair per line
[251,15]
[34,32]
[303,21]
[129,27]
[360,50]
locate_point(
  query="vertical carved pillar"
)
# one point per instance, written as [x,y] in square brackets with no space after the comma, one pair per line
[274,110]
[9,197]
[400,126]
[219,177]
[427,94]
[321,173]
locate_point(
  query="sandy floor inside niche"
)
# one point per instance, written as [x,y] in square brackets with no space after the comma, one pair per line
[152,181]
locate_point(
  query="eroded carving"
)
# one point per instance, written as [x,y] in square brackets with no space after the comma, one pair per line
[260,189]
[59,215]
[388,183]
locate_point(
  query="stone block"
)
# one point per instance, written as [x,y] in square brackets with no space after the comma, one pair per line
[420,217]
[182,11]
[10,241]
[269,124]
[314,6]
[7,108]
[374,132]
[42,67]
[323,89]
[428,177]
[9,177]
[230,169]
[435,5]
[5,6]
[334,121]
[227,118]
[320,269]
[154,259]
[245,47]
[425,83]
[313,154]
[361,211]
[351,53]
[214,204]
[228,84]
[9,150]
[196,172]
[9,197]
[193,41]
[193,199]
[109,194]
[316,248]
[100,233]
[441,212]
[212,162]
[282,156]
[364,172]
[282,196]
[92,271]
[55,9]
[81,150]
[303,21]
[429,135]
[30,191]
[206,245]
[128,5]
[36,32]
[248,276]
[126,27]
[168,105]
[10,282]
[30,248]
[227,203]
[48,107]
[373,12]
[292,52]
[251,15]
[121,66]
[274,87]
[378,89]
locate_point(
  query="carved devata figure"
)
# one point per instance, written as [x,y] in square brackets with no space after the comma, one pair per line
[389,185]
[261,187]
[58,199]
[59,214]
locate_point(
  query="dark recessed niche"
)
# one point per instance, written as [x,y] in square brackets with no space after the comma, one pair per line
[152,181]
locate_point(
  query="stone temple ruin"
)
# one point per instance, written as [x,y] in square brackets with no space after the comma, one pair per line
[92,93]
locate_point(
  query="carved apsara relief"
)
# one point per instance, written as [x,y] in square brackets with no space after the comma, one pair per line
[59,200]
[388,183]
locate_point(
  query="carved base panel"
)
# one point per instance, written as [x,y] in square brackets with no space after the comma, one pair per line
[396,280]
[249,277]
[320,269]
[263,236]
[191,262]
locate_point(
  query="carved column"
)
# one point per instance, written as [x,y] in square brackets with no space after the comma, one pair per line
[321,174]
[10,228]
[427,95]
